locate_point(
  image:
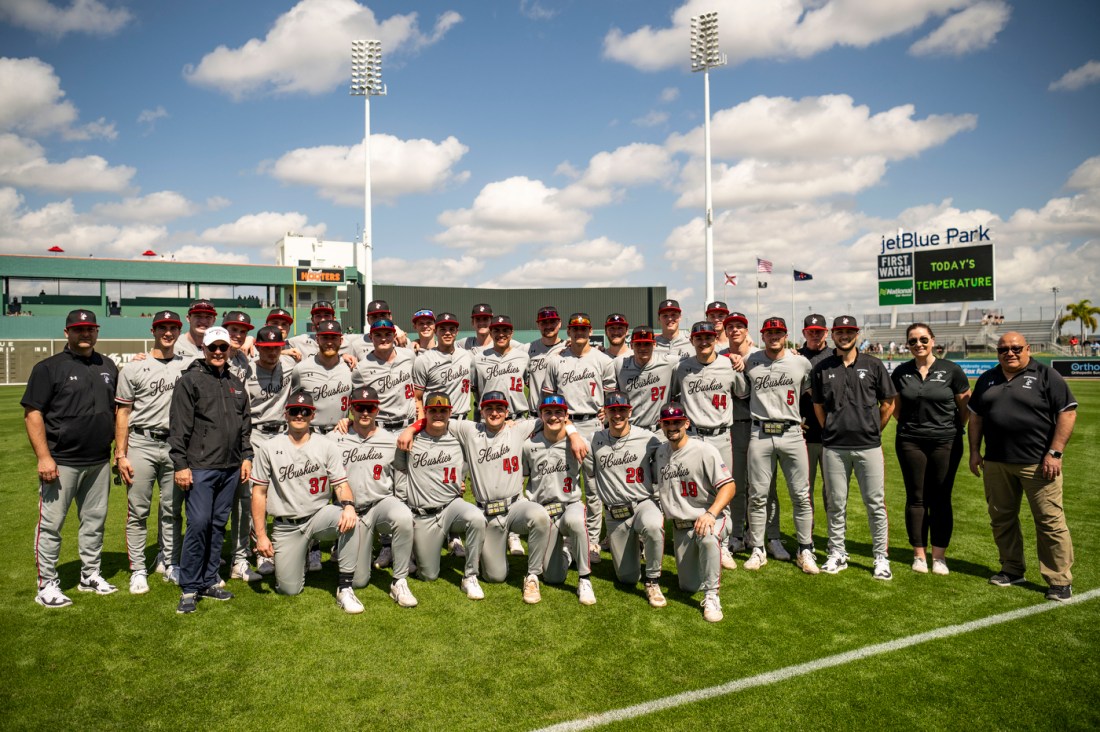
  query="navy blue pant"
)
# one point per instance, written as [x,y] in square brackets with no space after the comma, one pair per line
[208,504]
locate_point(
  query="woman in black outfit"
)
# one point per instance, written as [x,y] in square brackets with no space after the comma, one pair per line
[931,398]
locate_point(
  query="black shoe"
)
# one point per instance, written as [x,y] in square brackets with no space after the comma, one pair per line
[216,593]
[1004,579]
[1060,593]
[188,603]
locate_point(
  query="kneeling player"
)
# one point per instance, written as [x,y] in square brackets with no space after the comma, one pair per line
[299,474]
[695,486]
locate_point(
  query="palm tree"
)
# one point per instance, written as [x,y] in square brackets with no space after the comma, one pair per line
[1084,312]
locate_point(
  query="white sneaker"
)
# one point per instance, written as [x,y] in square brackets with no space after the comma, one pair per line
[220,584]
[594,554]
[737,544]
[265,566]
[456,547]
[728,562]
[712,607]
[384,558]
[756,560]
[834,564]
[95,583]
[159,563]
[401,593]
[472,589]
[514,547]
[242,571]
[654,595]
[585,593]
[139,583]
[314,562]
[50,596]
[531,593]
[881,569]
[778,551]
[939,566]
[920,564]
[172,574]
[807,562]
[348,602]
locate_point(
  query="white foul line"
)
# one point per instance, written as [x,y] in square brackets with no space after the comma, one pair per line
[790,672]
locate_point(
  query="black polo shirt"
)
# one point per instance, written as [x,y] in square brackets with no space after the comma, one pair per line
[928,410]
[1018,416]
[77,399]
[806,401]
[851,395]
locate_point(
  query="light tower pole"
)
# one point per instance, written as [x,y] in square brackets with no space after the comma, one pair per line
[366,82]
[705,56]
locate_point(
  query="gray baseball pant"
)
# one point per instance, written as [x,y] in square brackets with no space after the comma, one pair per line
[88,485]
[724,444]
[647,523]
[151,464]
[594,519]
[837,466]
[569,525]
[523,517]
[699,558]
[429,533]
[392,517]
[742,432]
[789,450]
[813,452]
[292,544]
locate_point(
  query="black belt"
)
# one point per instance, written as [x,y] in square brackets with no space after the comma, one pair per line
[396,424]
[742,420]
[711,431]
[270,429]
[151,434]
[582,417]
[291,521]
[459,416]
[366,508]
[323,430]
[427,511]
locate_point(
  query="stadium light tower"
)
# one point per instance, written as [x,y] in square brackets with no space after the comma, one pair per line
[366,82]
[705,56]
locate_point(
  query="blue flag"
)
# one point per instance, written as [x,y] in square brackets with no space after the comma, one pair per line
[802,276]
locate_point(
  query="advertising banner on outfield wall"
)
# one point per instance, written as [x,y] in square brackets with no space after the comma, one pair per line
[1077,367]
[974,369]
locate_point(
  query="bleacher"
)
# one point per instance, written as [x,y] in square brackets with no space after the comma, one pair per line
[969,338]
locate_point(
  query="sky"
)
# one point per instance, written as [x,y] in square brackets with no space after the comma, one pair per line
[559,143]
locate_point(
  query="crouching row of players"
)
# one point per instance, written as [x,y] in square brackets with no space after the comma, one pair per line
[411,486]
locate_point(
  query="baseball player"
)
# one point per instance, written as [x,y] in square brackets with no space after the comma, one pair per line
[672,339]
[200,317]
[616,329]
[554,476]
[445,368]
[481,317]
[238,323]
[380,310]
[853,400]
[777,378]
[622,458]
[707,387]
[816,350]
[435,467]
[695,487]
[367,452]
[503,367]
[294,480]
[716,313]
[645,377]
[424,324]
[282,319]
[307,344]
[541,352]
[144,397]
[582,375]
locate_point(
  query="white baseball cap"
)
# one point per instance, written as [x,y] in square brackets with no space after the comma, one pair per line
[215,334]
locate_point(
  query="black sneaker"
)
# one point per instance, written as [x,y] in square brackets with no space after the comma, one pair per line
[188,603]
[1060,593]
[1004,579]
[216,593]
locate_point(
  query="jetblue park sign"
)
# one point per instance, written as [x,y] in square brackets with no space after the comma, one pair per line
[924,269]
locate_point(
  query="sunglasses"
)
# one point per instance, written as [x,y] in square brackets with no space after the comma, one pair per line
[924,340]
[218,347]
[368,408]
[299,412]
[1002,350]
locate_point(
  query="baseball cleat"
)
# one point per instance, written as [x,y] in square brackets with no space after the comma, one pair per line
[472,589]
[139,583]
[585,594]
[242,571]
[756,560]
[737,544]
[1005,579]
[712,607]
[920,565]
[401,593]
[531,594]
[594,554]
[806,561]
[728,562]
[348,602]
[456,547]
[265,566]
[835,563]
[778,551]
[216,593]
[939,566]
[158,563]
[188,603]
[514,547]
[95,583]
[654,595]
[313,564]
[172,574]
[881,569]
[50,596]
[384,559]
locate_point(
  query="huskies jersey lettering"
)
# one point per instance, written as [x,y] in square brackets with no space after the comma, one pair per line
[368,462]
[450,373]
[624,465]
[505,372]
[552,471]
[330,388]
[268,390]
[688,479]
[299,479]
[776,387]
[393,380]
[648,387]
[539,357]
[146,386]
[582,380]
[708,391]
[436,470]
[495,461]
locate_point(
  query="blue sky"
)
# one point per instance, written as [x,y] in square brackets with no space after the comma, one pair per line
[560,143]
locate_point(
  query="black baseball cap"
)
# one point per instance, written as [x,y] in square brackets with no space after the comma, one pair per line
[717,307]
[328,327]
[378,307]
[237,317]
[202,306]
[322,306]
[494,397]
[269,336]
[363,395]
[437,399]
[643,334]
[739,317]
[546,313]
[501,321]
[300,398]
[446,319]
[845,321]
[774,323]
[814,322]
[704,327]
[482,308]
[166,316]
[280,314]
[668,305]
[616,399]
[81,317]
[673,411]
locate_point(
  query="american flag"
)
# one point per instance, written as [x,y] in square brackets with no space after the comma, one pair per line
[763,265]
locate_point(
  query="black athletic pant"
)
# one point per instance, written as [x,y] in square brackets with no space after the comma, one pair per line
[928,468]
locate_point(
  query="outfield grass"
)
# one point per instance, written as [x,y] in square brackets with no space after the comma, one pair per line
[264,660]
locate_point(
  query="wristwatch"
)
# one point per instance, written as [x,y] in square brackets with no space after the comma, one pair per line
[346,504]
[1057,454]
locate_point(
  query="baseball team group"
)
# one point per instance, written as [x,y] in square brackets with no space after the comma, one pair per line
[273,444]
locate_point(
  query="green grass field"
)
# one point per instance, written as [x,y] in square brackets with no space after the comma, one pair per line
[265,660]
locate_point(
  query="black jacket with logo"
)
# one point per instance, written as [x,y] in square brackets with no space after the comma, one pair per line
[210,426]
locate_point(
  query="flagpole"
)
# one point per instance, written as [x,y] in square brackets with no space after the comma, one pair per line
[792,300]
[758,298]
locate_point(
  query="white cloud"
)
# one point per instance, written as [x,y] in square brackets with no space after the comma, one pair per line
[159,207]
[652,118]
[1077,78]
[608,173]
[604,263]
[399,271]
[82,16]
[669,94]
[262,229]
[217,203]
[971,29]
[308,49]
[23,163]
[32,102]
[149,117]
[398,168]
[196,253]
[534,10]
[761,181]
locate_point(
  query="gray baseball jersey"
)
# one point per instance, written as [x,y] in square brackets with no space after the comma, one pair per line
[368,462]
[393,380]
[450,373]
[495,461]
[648,387]
[679,346]
[503,372]
[435,468]
[553,472]
[539,356]
[268,390]
[740,406]
[306,344]
[239,365]
[330,388]
[582,380]
[624,465]
[146,386]
[708,391]
[688,479]
[187,348]
[775,387]
[300,480]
